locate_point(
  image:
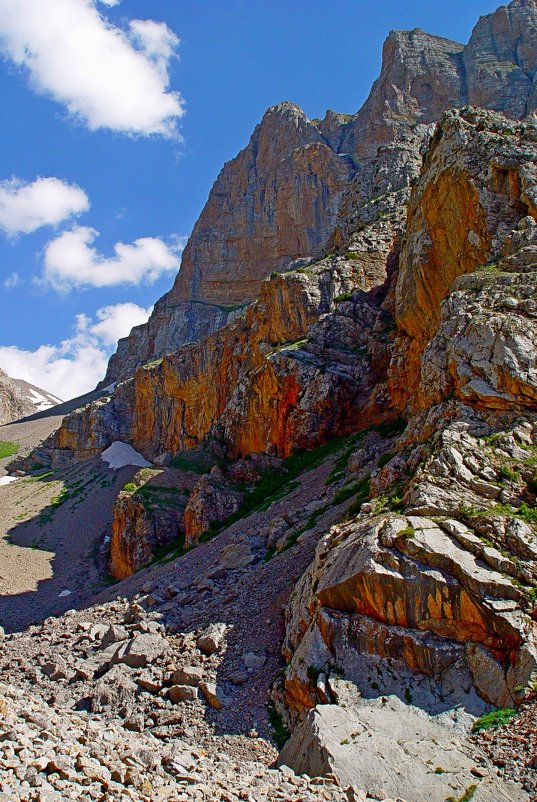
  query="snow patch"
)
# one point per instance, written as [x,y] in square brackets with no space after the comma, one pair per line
[40,401]
[120,454]
[6,480]
[110,388]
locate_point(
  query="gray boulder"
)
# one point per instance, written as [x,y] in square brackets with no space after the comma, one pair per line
[386,747]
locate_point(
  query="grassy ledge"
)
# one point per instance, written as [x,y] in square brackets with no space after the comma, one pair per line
[7,449]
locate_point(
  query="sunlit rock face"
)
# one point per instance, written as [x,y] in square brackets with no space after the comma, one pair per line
[293,191]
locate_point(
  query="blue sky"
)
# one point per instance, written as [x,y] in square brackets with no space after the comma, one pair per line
[118,116]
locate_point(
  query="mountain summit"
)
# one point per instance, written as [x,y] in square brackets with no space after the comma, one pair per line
[279,199]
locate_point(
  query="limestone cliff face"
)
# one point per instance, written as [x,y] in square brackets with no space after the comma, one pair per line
[275,202]
[295,368]
[426,311]
[395,599]
[435,610]
[13,404]
[293,189]
[18,399]
[478,182]
[501,58]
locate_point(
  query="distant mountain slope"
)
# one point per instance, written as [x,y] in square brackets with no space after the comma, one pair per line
[18,398]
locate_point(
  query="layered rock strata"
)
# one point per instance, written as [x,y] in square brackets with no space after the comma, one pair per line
[291,190]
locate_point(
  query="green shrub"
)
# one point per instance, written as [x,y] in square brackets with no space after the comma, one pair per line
[281,733]
[345,296]
[344,493]
[494,719]
[130,487]
[508,473]
[363,490]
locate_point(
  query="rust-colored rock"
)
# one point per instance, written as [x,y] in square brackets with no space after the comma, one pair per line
[147,515]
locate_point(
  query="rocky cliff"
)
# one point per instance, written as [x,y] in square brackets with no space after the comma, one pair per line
[366,428]
[18,399]
[290,191]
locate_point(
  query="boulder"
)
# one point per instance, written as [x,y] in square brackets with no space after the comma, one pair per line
[187,675]
[212,639]
[183,693]
[392,750]
[141,651]
[214,695]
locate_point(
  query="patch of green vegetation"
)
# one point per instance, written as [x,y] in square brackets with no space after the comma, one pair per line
[439,770]
[408,696]
[527,513]
[491,267]
[313,674]
[338,471]
[37,477]
[193,461]
[229,309]
[281,733]
[363,490]
[290,345]
[344,493]
[391,499]
[494,719]
[293,538]
[508,473]
[154,496]
[352,255]
[344,742]
[270,553]
[345,296]
[7,449]
[409,532]
[55,503]
[169,551]
[276,484]
[466,797]
[153,364]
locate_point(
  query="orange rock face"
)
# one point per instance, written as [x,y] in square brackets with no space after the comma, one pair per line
[452,229]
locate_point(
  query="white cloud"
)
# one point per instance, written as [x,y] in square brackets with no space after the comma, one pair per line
[71,261]
[44,202]
[13,280]
[110,2]
[156,41]
[117,321]
[77,364]
[106,77]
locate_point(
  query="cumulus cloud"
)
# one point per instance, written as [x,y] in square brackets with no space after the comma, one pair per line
[75,365]
[116,321]
[71,261]
[104,76]
[45,202]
